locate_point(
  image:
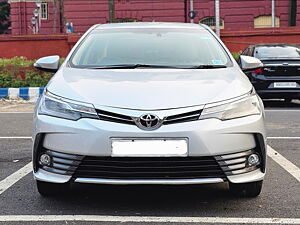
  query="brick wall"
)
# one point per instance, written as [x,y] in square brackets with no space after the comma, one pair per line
[237,14]
[36,46]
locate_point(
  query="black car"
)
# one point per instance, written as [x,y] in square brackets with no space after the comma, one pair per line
[280,75]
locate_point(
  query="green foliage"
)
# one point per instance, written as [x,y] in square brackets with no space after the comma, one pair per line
[19,72]
[32,79]
[4,16]
[236,55]
[16,62]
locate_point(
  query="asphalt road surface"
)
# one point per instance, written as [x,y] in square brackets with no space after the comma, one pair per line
[279,202]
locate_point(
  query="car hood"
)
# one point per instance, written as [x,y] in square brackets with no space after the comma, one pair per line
[149,89]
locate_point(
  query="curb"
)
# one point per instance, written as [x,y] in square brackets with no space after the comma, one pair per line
[31,93]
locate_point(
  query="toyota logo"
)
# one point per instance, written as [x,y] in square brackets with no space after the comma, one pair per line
[149,122]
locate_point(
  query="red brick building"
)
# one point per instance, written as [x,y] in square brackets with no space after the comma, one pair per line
[235,14]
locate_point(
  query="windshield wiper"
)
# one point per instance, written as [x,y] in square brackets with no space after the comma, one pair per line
[131,66]
[208,66]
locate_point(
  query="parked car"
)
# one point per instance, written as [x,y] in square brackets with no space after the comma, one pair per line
[149,103]
[280,76]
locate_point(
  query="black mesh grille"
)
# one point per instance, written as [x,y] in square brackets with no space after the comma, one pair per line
[149,168]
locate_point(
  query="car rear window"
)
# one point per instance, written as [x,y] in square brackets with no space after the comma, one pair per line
[281,51]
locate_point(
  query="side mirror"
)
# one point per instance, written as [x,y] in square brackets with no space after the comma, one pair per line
[48,64]
[248,63]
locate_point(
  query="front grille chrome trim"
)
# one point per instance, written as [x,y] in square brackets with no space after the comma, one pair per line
[181,118]
[152,181]
[168,117]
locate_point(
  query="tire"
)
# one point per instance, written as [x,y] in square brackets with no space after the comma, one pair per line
[248,190]
[47,189]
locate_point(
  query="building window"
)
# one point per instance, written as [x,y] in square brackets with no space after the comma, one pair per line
[44,11]
[265,21]
[211,22]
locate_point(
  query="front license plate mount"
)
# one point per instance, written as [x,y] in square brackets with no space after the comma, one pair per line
[135,147]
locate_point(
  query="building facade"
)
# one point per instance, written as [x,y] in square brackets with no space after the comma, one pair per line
[51,16]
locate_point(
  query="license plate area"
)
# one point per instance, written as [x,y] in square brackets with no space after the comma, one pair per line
[135,147]
[285,85]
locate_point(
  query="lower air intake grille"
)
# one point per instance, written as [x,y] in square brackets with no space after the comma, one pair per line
[149,168]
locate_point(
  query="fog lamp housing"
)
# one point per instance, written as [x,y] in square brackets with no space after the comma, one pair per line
[253,160]
[45,159]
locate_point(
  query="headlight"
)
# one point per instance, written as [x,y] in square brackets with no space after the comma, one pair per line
[245,106]
[56,106]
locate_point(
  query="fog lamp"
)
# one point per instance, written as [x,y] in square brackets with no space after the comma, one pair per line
[253,160]
[45,160]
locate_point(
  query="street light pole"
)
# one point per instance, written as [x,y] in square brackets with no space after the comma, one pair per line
[191,10]
[217,17]
[273,13]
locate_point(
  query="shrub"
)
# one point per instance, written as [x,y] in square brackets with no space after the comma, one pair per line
[16,62]
[19,72]
[236,55]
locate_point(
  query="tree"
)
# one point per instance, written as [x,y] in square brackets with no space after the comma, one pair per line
[4,16]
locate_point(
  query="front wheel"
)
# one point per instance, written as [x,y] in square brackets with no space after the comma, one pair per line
[251,190]
[47,189]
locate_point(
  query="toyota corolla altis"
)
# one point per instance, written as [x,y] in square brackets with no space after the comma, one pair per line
[149,103]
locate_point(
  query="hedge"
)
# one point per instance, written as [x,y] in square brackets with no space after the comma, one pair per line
[19,72]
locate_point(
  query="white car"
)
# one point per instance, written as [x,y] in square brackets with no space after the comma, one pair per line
[149,103]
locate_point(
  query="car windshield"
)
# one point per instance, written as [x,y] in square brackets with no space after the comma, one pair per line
[281,51]
[138,47]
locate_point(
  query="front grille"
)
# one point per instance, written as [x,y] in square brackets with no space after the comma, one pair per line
[149,168]
[184,117]
[124,119]
[115,117]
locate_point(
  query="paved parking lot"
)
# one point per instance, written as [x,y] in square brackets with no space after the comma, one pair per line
[279,202]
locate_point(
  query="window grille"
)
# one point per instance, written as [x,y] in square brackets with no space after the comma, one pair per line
[44,11]
[211,22]
[265,21]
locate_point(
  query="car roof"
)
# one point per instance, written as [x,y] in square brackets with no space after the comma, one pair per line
[150,25]
[275,45]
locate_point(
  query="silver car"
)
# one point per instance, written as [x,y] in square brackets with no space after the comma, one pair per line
[149,103]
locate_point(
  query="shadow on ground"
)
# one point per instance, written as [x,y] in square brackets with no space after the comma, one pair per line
[269,104]
[148,200]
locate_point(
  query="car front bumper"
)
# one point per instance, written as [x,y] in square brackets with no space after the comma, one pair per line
[222,141]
